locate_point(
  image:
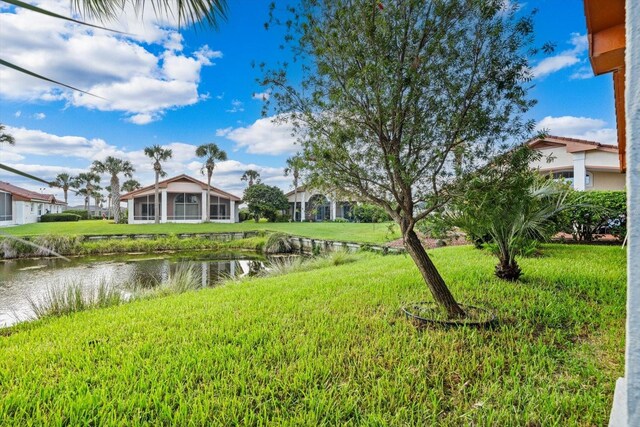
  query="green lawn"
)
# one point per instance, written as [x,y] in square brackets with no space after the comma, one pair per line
[350,232]
[329,347]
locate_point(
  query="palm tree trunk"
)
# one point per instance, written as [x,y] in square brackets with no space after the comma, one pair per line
[295,202]
[156,199]
[430,274]
[115,195]
[209,173]
[65,195]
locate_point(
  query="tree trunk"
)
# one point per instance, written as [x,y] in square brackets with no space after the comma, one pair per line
[434,281]
[65,195]
[508,269]
[156,200]
[115,196]
[295,202]
[209,173]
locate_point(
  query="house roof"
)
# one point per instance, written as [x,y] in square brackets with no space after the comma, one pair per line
[573,145]
[22,194]
[298,190]
[183,177]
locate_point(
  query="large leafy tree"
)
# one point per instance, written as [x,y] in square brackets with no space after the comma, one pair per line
[158,155]
[85,182]
[63,181]
[251,177]
[265,201]
[295,164]
[211,153]
[114,166]
[397,101]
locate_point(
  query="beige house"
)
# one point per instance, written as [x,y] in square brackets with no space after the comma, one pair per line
[313,205]
[181,200]
[588,165]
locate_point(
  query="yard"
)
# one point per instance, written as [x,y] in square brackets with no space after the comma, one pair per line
[329,346]
[349,232]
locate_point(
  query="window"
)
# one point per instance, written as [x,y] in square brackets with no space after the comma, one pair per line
[218,211]
[6,210]
[186,206]
[567,176]
[148,209]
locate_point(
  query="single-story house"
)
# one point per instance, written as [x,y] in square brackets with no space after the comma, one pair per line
[181,200]
[588,165]
[312,205]
[21,206]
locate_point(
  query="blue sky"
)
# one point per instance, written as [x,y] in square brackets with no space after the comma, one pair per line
[182,89]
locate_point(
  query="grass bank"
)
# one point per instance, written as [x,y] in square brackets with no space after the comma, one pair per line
[76,245]
[348,232]
[328,346]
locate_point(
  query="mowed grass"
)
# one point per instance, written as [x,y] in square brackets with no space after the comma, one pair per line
[329,347]
[348,232]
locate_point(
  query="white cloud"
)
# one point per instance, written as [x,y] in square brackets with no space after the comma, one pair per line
[129,76]
[264,136]
[579,127]
[582,73]
[262,96]
[18,113]
[564,59]
[39,116]
[236,107]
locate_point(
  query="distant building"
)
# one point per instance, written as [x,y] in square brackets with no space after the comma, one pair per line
[313,205]
[181,200]
[588,165]
[22,206]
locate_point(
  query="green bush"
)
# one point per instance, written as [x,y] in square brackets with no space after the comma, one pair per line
[369,213]
[59,217]
[340,220]
[244,214]
[595,213]
[283,218]
[80,212]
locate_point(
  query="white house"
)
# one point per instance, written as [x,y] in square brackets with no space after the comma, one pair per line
[588,165]
[181,200]
[21,206]
[313,205]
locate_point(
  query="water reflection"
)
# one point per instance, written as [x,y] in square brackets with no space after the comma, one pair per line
[24,279]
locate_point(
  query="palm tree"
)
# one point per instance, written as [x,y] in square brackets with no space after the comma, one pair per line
[294,166]
[158,154]
[64,181]
[211,153]
[97,198]
[108,188]
[209,12]
[6,138]
[89,180]
[114,166]
[130,185]
[251,176]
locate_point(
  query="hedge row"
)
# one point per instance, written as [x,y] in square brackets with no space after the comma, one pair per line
[59,217]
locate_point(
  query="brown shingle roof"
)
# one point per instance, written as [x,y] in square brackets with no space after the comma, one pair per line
[164,183]
[575,142]
[27,195]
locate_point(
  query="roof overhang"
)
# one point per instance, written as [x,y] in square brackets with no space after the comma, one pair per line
[606,34]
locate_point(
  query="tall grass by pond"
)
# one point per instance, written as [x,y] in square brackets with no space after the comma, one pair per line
[76,245]
[65,298]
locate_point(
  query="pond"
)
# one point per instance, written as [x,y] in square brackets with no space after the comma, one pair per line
[24,279]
